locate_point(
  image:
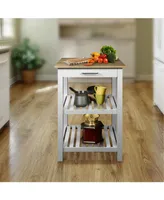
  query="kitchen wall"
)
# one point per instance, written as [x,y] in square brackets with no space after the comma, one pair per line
[80,39]
[43,32]
[124,30]
[144,48]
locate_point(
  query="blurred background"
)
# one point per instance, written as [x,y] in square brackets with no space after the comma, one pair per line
[75,37]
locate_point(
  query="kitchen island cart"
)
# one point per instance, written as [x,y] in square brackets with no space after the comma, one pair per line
[69,136]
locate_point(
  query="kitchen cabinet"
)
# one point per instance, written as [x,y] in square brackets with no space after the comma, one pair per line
[158,65]
[159,39]
[91,21]
[159,85]
[4,88]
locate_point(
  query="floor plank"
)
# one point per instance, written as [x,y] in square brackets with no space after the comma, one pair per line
[28,148]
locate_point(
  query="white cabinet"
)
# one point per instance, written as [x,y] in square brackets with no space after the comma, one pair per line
[4,107]
[4,89]
[159,85]
[159,39]
[158,89]
[89,21]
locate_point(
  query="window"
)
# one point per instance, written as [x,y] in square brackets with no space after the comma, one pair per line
[7,28]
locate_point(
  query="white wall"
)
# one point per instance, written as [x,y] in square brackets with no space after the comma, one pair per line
[134,47]
[80,40]
[45,33]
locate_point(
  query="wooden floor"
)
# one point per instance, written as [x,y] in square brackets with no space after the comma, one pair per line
[28,149]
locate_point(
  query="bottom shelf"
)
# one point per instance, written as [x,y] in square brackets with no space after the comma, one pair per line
[73,140]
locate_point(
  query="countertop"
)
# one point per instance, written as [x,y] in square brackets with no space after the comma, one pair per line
[117,65]
[4,49]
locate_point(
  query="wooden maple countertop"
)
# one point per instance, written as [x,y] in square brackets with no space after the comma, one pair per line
[117,65]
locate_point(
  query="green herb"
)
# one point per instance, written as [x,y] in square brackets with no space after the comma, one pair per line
[107,50]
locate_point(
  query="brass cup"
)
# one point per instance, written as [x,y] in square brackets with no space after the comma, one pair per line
[91,119]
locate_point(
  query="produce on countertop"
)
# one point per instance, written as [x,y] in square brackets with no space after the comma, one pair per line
[88,64]
[110,52]
[107,50]
[102,56]
[105,60]
[100,60]
[95,54]
[112,57]
[96,59]
[107,55]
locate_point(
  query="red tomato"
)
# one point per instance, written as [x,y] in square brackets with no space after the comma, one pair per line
[103,56]
[105,60]
[100,60]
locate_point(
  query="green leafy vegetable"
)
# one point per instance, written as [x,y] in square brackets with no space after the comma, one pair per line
[111,57]
[110,52]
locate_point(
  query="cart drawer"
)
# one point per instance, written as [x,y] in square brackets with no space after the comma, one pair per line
[88,73]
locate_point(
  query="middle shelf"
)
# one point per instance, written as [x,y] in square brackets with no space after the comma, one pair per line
[108,107]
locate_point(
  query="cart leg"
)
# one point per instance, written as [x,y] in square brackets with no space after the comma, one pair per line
[65,92]
[114,93]
[60,117]
[119,115]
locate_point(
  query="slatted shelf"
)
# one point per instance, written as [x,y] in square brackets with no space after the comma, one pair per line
[73,140]
[108,107]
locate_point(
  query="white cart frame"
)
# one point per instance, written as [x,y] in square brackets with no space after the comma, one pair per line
[67,141]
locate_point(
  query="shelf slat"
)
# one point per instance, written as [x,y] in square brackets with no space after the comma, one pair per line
[92,108]
[72,136]
[112,137]
[78,136]
[73,130]
[67,101]
[67,136]
[72,102]
[107,103]
[106,137]
[112,102]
